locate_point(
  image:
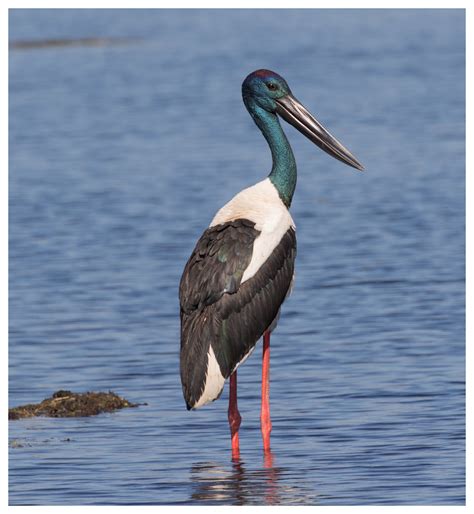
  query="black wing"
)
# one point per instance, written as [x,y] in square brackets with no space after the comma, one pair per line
[217,264]
[217,310]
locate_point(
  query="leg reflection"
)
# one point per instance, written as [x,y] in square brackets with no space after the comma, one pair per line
[236,485]
[272,496]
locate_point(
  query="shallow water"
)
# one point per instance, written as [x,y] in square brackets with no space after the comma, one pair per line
[119,156]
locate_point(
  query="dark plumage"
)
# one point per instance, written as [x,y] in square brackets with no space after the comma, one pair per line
[217,310]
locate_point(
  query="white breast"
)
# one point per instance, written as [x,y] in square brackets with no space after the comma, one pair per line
[262,205]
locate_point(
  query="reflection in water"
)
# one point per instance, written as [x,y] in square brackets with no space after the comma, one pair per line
[236,486]
[215,483]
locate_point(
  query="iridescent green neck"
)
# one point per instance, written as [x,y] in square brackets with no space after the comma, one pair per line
[283,174]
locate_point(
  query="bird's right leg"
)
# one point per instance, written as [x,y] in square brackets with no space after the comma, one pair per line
[265,421]
[234,415]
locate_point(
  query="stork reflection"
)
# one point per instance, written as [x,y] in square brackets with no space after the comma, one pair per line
[215,483]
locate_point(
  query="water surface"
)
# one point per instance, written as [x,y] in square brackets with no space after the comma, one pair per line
[120,154]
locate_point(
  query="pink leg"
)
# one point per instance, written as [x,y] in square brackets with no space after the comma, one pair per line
[265,421]
[234,415]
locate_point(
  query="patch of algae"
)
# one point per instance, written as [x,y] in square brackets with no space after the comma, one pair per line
[65,404]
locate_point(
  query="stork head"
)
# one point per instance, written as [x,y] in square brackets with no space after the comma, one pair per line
[269,91]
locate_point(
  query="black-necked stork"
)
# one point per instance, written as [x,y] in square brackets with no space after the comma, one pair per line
[241,269]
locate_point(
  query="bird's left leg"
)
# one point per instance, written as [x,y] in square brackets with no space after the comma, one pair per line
[234,415]
[265,421]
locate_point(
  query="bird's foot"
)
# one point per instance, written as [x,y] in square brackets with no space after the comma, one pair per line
[234,423]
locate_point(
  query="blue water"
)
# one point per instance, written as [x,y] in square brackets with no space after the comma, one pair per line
[120,154]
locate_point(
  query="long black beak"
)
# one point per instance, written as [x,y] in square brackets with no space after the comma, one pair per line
[297,115]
